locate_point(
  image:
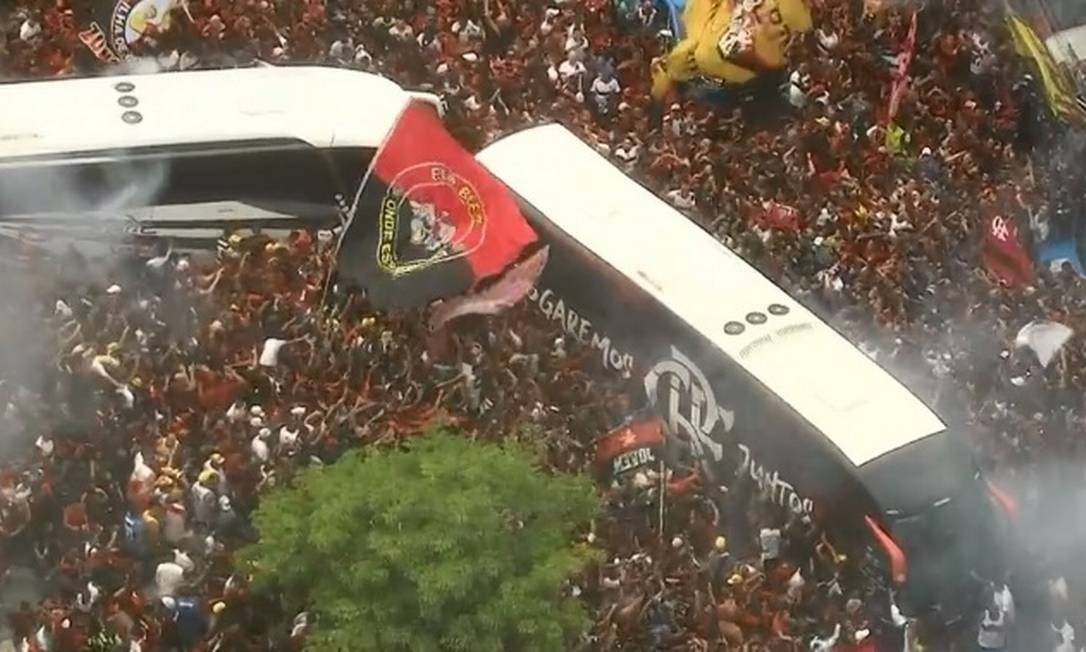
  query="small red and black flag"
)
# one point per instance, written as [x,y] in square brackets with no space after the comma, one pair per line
[430,221]
[630,446]
[1003,255]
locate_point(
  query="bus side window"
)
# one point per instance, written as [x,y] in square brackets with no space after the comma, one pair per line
[283,176]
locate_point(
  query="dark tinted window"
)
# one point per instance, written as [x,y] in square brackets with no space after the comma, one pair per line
[281,176]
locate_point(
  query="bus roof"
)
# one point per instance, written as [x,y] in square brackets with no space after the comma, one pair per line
[857,405]
[324,107]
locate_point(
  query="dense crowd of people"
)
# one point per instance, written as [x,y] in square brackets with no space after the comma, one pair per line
[205,385]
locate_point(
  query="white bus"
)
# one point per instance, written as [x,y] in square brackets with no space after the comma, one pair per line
[182,154]
[753,381]
[1067,21]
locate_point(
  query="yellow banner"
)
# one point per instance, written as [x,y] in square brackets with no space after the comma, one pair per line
[731,40]
[1059,88]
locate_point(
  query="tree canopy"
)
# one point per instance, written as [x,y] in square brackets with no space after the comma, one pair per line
[445,544]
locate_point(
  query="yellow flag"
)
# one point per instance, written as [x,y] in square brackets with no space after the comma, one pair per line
[1058,87]
[731,40]
[896,139]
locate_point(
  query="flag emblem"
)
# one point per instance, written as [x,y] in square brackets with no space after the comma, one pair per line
[417,211]
[429,221]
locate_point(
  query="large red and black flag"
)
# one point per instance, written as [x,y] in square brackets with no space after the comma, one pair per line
[430,221]
[1003,255]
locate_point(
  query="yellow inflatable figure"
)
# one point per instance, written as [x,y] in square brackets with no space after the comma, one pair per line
[730,40]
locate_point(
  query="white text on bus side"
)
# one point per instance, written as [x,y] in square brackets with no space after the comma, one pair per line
[577,326]
[780,491]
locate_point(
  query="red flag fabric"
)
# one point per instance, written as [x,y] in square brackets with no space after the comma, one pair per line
[901,72]
[898,564]
[622,447]
[430,221]
[1003,255]
[780,216]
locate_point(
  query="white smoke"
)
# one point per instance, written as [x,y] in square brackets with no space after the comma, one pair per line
[73,214]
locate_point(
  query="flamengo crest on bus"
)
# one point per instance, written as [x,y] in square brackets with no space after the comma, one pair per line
[687,385]
[685,380]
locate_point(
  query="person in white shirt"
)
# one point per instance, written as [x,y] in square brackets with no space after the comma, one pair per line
[576,41]
[1063,636]
[770,541]
[401,31]
[168,578]
[261,444]
[29,30]
[677,123]
[204,499]
[290,431]
[682,198]
[827,38]
[646,13]
[572,70]
[827,644]
[1001,594]
[362,57]
[797,85]
[628,152]
[269,355]
[992,632]
[341,51]
[550,16]
[174,527]
[605,89]
[467,31]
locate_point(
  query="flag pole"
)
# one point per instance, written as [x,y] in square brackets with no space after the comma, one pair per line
[351,212]
[663,493]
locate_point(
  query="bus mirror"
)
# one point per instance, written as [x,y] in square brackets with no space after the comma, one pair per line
[898,568]
[1005,501]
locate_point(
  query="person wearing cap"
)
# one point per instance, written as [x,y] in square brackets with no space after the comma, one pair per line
[676,123]
[214,463]
[719,563]
[204,500]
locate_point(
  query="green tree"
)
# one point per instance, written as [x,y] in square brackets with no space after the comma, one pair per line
[447,544]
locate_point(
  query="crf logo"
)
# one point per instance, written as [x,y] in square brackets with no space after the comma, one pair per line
[1000,230]
[689,406]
